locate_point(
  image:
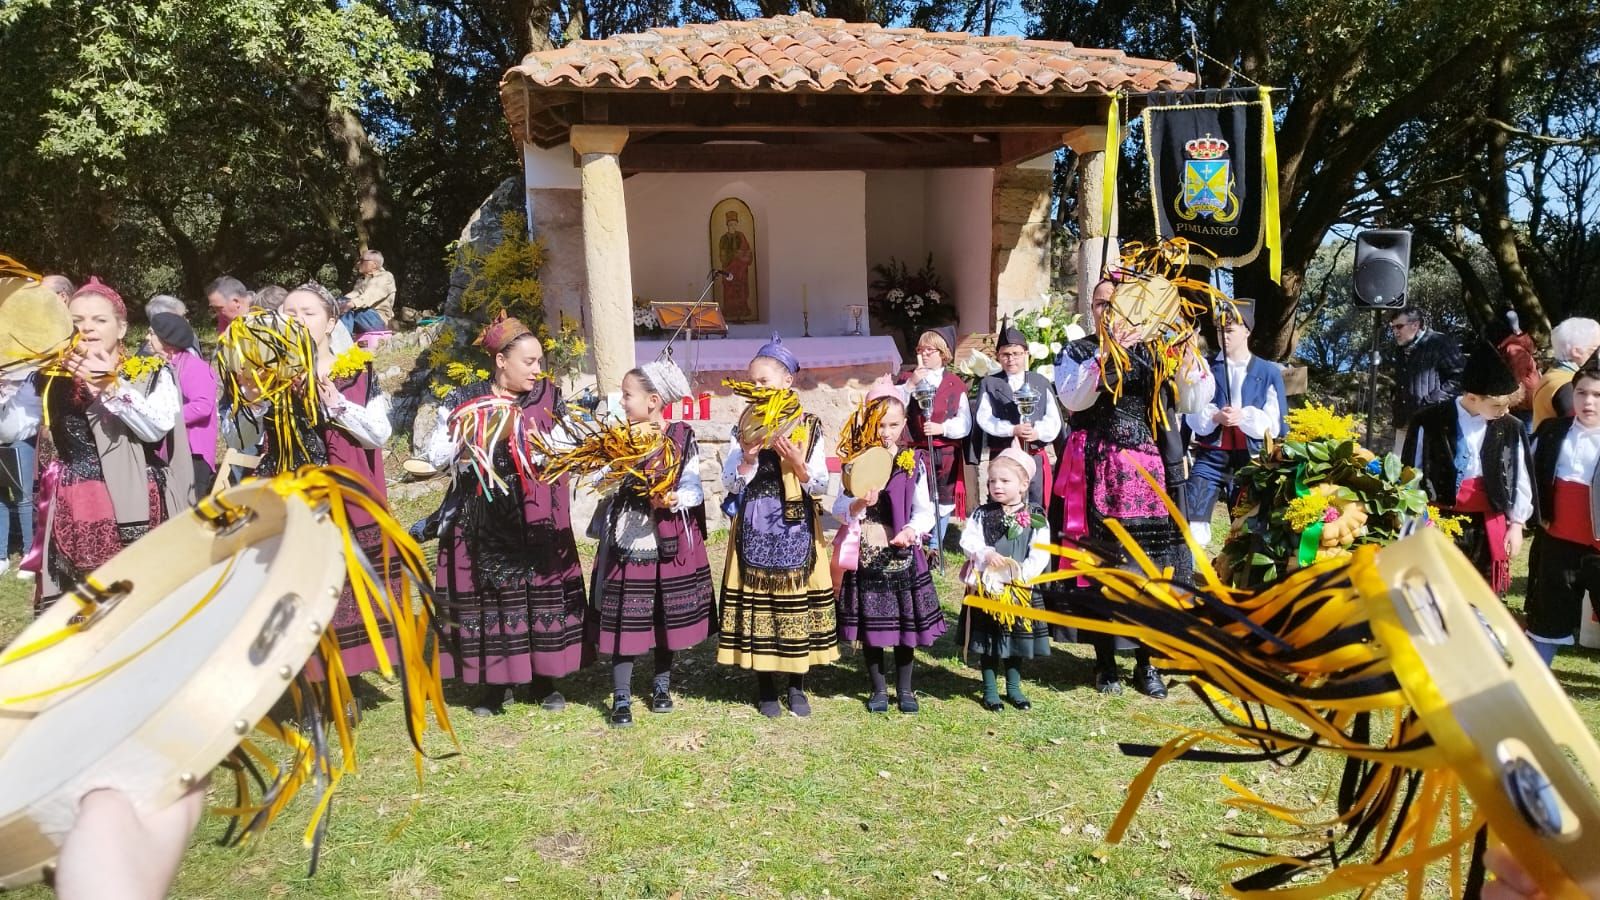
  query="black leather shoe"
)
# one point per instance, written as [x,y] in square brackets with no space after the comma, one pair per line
[661,702]
[1147,680]
[1108,682]
[908,704]
[993,704]
[622,715]
[878,703]
[554,703]
[770,708]
[1019,701]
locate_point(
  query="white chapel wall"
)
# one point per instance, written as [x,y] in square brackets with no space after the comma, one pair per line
[810,231]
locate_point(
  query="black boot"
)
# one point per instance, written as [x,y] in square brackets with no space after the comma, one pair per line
[490,701]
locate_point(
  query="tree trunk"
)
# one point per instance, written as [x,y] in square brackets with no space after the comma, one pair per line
[366,168]
[1274,335]
[1492,194]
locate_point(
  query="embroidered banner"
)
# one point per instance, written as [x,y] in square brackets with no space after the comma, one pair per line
[1214,172]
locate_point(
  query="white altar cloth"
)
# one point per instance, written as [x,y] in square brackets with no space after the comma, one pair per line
[733,354]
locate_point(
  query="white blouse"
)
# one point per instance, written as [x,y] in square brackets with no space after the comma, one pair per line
[20,411]
[1579,453]
[922,515]
[149,416]
[816,483]
[1078,385]
[1047,428]
[1473,429]
[954,428]
[368,424]
[1257,422]
[972,544]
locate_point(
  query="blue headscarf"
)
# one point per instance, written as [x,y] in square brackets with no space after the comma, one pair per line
[774,349]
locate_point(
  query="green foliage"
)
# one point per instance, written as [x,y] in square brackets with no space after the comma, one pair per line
[1263,543]
[504,280]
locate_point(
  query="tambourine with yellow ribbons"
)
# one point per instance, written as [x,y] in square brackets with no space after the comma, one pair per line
[35,327]
[172,658]
[1399,659]
[771,413]
[265,357]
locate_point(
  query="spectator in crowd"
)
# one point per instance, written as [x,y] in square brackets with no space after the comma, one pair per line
[1522,355]
[229,299]
[164,303]
[370,304]
[173,338]
[271,297]
[1426,368]
[61,285]
[1571,344]
[19,442]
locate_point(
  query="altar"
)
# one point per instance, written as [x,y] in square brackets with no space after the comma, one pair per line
[878,353]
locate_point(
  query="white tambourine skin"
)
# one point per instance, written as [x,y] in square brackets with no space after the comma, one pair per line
[171,714]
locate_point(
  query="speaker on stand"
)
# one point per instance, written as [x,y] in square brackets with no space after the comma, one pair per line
[1383,264]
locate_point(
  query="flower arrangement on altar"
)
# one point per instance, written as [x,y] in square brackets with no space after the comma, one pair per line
[644,318]
[1048,329]
[908,301]
[1317,495]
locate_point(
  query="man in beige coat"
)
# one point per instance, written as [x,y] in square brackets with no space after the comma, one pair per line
[370,304]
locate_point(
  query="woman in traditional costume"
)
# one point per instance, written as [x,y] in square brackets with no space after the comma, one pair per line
[1002,541]
[508,563]
[652,579]
[888,599]
[112,425]
[944,423]
[1123,406]
[351,431]
[777,594]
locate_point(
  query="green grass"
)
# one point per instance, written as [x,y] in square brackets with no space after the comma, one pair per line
[715,801]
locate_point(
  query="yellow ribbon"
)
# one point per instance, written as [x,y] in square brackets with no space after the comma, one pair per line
[1269,202]
[1113,154]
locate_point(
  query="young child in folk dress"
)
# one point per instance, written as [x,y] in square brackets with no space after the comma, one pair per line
[888,599]
[778,612]
[1001,539]
[652,582]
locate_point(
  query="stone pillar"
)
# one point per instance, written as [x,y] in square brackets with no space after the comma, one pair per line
[1089,143]
[607,266]
[1021,231]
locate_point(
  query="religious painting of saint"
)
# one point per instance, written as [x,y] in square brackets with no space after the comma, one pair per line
[733,250]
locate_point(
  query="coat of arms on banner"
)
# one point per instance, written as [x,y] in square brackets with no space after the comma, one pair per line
[1208,187]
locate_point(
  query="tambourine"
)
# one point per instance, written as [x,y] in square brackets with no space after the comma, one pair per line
[868,471]
[1402,661]
[1150,306]
[755,430]
[155,670]
[264,354]
[35,327]
[1492,707]
[771,413]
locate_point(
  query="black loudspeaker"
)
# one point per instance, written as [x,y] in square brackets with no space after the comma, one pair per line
[1383,259]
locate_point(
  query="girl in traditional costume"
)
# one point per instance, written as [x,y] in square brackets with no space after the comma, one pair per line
[939,413]
[1124,394]
[1564,563]
[508,563]
[888,599]
[777,595]
[350,433]
[652,580]
[112,426]
[1002,541]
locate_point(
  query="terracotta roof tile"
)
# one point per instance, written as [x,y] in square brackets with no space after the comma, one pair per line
[804,53]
